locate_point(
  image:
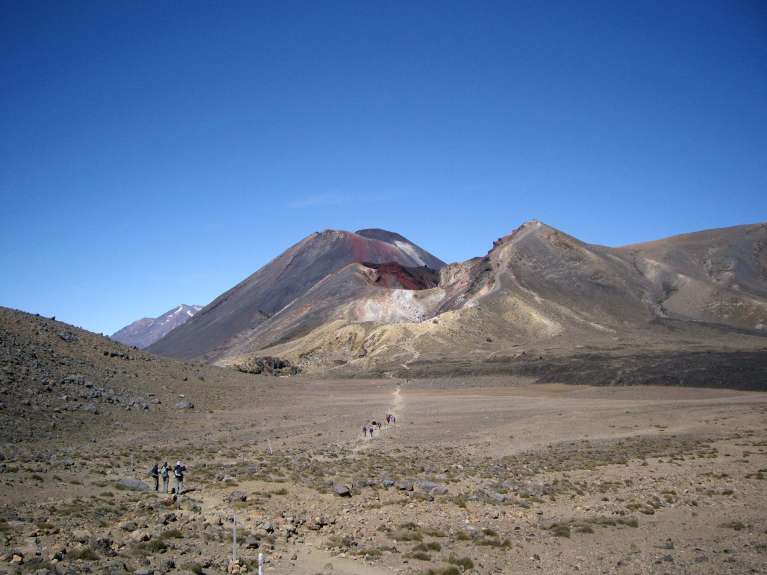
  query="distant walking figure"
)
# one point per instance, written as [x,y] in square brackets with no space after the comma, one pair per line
[178,473]
[364,431]
[165,473]
[371,433]
[155,474]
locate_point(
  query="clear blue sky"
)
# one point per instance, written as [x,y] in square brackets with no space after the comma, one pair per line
[154,153]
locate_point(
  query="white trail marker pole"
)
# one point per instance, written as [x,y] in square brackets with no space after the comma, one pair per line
[234,537]
[260,564]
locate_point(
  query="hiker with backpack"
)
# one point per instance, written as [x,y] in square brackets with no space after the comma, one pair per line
[154,473]
[178,473]
[165,473]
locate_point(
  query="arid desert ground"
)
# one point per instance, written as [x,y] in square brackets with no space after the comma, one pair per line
[478,475]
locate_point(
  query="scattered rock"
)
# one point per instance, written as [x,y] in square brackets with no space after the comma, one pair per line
[431,487]
[81,535]
[342,490]
[89,408]
[236,496]
[74,379]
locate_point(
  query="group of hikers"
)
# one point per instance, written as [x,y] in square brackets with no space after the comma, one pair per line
[369,429]
[164,471]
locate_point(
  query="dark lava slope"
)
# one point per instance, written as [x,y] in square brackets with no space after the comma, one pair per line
[280,282]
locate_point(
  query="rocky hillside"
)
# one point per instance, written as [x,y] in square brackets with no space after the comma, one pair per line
[717,276]
[56,380]
[144,332]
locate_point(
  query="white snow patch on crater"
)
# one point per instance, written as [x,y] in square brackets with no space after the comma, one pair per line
[410,251]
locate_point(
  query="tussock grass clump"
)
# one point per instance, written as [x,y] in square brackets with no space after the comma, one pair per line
[370,552]
[736,525]
[566,528]
[193,567]
[150,547]
[44,525]
[345,542]
[83,554]
[449,570]
[560,530]
[493,542]
[464,563]
[413,532]
[405,535]
[645,508]
[433,532]
[431,546]
[407,532]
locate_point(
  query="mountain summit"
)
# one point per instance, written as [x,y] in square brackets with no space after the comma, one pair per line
[144,332]
[373,301]
[264,295]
